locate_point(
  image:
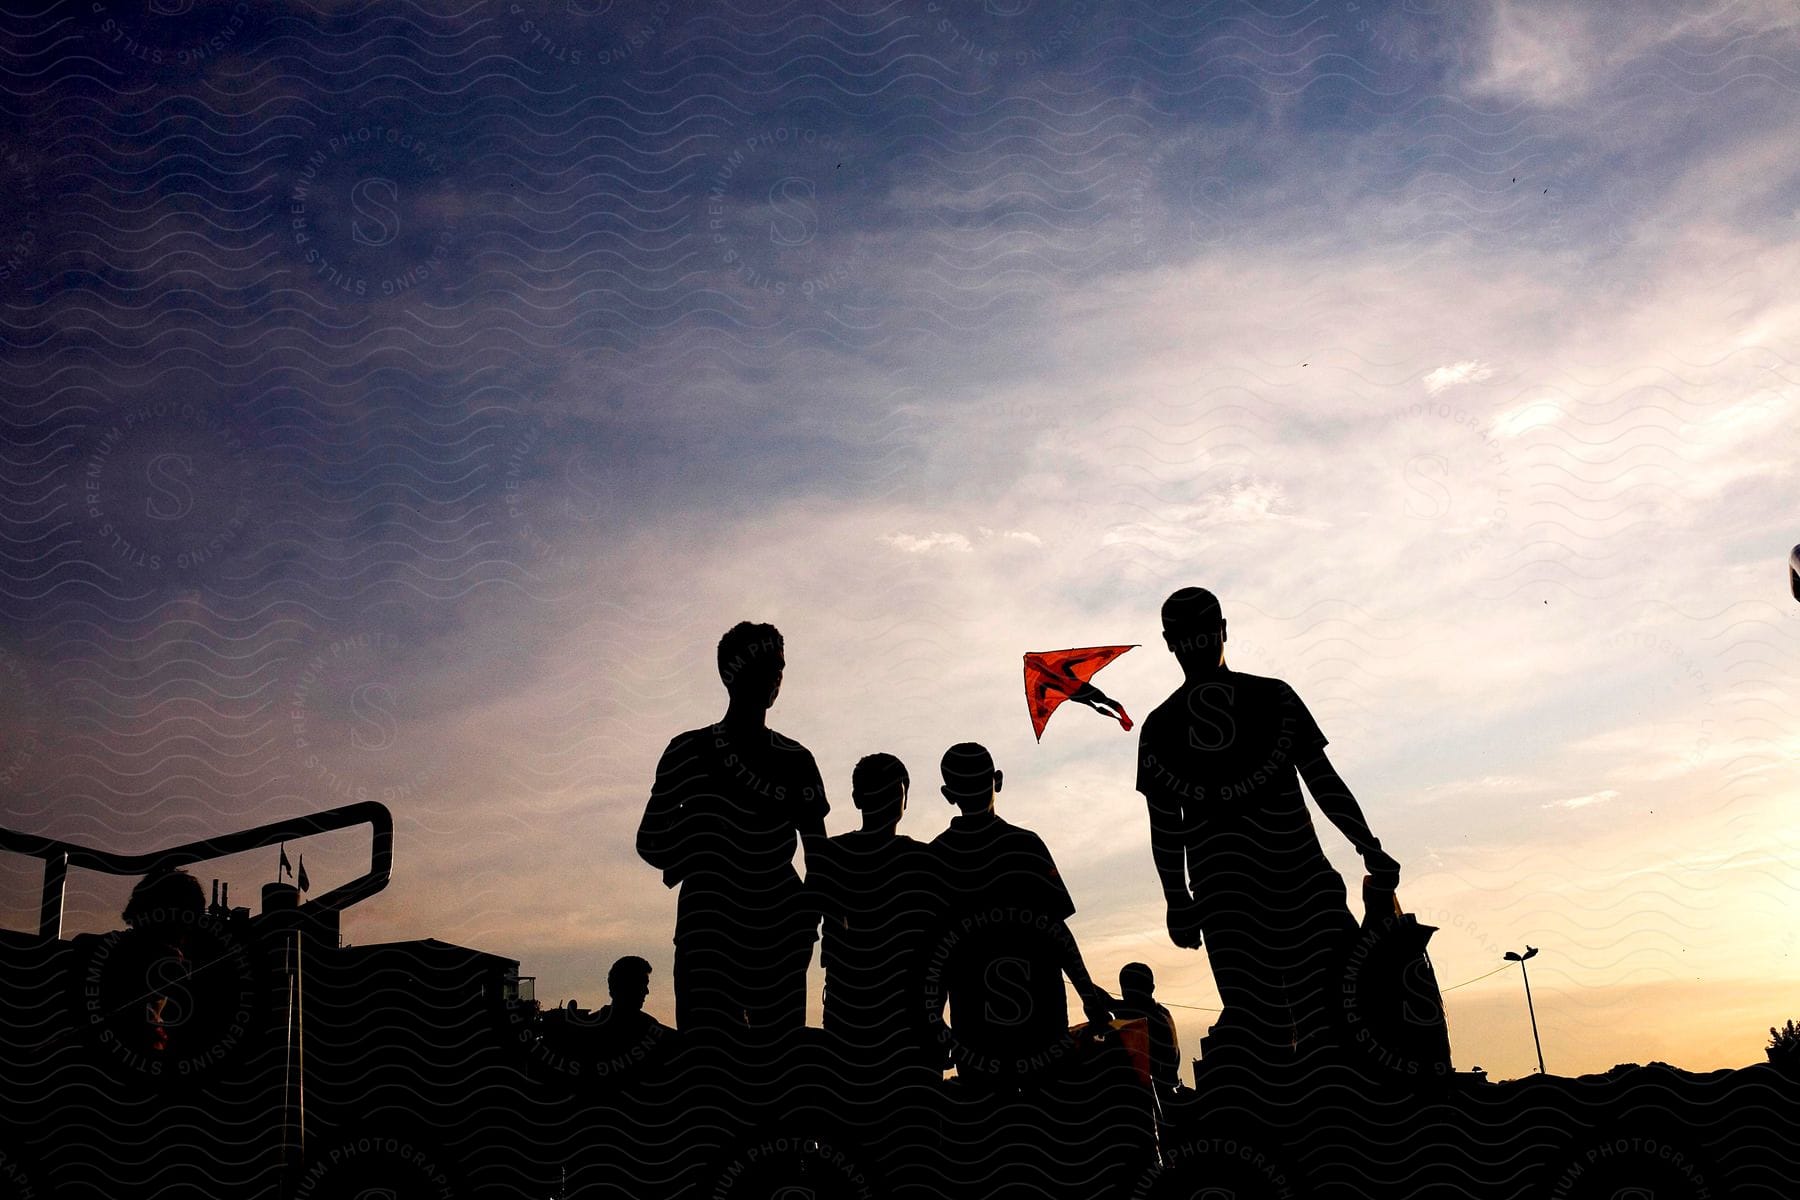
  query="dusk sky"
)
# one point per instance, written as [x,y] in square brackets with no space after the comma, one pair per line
[401,399]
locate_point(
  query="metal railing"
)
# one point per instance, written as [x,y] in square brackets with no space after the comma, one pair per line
[59,856]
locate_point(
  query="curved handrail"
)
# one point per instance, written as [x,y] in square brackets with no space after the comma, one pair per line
[59,856]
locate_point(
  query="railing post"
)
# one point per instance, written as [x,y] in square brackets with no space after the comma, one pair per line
[56,876]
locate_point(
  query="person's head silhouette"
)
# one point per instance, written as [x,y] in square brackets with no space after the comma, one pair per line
[161,898]
[628,983]
[1137,984]
[970,778]
[1194,630]
[751,660]
[878,786]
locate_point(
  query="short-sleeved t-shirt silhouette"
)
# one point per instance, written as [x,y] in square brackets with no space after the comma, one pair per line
[879,894]
[724,818]
[1226,750]
[1000,948]
[620,1039]
[1165,1044]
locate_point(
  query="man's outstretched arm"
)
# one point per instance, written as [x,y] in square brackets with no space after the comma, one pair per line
[1096,1002]
[1332,795]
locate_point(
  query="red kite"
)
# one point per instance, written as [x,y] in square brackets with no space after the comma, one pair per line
[1052,676]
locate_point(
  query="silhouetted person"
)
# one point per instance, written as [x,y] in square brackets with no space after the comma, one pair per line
[628,985]
[153,1011]
[1004,943]
[1137,998]
[1220,763]
[728,802]
[624,1034]
[161,901]
[877,891]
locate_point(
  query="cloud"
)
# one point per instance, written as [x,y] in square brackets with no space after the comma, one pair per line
[1468,371]
[1532,415]
[1546,53]
[1600,797]
[1561,53]
[927,543]
[914,543]
[1009,535]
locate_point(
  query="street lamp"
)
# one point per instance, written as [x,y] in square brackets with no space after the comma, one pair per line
[1530,952]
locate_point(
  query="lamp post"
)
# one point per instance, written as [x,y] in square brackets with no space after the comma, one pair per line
[1530,951]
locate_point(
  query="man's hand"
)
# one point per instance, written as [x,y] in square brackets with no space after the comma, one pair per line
[1382,867]
[1184,923]
[1098,1006]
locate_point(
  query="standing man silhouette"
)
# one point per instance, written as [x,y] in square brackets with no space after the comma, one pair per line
[1220,764]
[1006,943]
[728,802]
[877,890]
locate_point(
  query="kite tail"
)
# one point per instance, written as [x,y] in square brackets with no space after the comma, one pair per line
[1095,698]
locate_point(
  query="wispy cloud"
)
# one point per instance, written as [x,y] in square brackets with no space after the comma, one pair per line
[925,543]
[1600,797]
[1533,414]
[1468,371]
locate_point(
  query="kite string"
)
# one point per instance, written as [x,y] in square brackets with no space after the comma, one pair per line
[1477,979]
[1451,988]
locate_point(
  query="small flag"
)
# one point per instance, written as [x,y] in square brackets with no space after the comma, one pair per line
[285,865]
[301,879]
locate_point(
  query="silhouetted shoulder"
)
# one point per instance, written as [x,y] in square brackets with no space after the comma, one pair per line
[764,762]
[685,757]
[1228,734]
[1276,700]
[849,858]
[859,854]
[798,764]
[1226,701]
[860,843]
[1025,842]
[1261,686]
[689,741]
[984,859]
[782,742]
